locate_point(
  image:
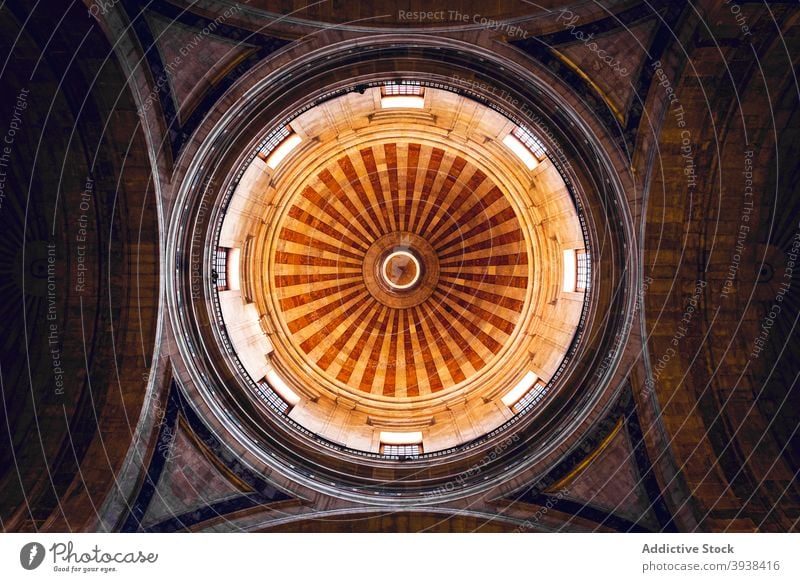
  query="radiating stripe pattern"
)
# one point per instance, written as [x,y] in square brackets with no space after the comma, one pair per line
[318,283]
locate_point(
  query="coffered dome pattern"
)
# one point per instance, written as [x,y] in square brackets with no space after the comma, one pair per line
[434,326]
[401,271]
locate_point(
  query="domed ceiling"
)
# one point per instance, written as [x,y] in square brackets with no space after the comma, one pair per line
[407,278]
[628,364]
[405,291]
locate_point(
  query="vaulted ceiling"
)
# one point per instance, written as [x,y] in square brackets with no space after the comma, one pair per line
[673,127]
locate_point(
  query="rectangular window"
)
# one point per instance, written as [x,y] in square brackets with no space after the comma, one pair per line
[220,271]
[570,270]
[532,398]
[283,150]
[402,102]
[396,96]
[402,450]
[274,140]
[268,395]
[408,444]
[522,388]
[396,89]
[521,151]
[233,264]
[582,274]
[281,388]
[531,142]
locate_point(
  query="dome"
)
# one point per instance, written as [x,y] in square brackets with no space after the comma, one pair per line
[364,267]
[404,264]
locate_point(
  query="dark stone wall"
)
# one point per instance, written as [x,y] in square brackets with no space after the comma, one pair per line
[78,254]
